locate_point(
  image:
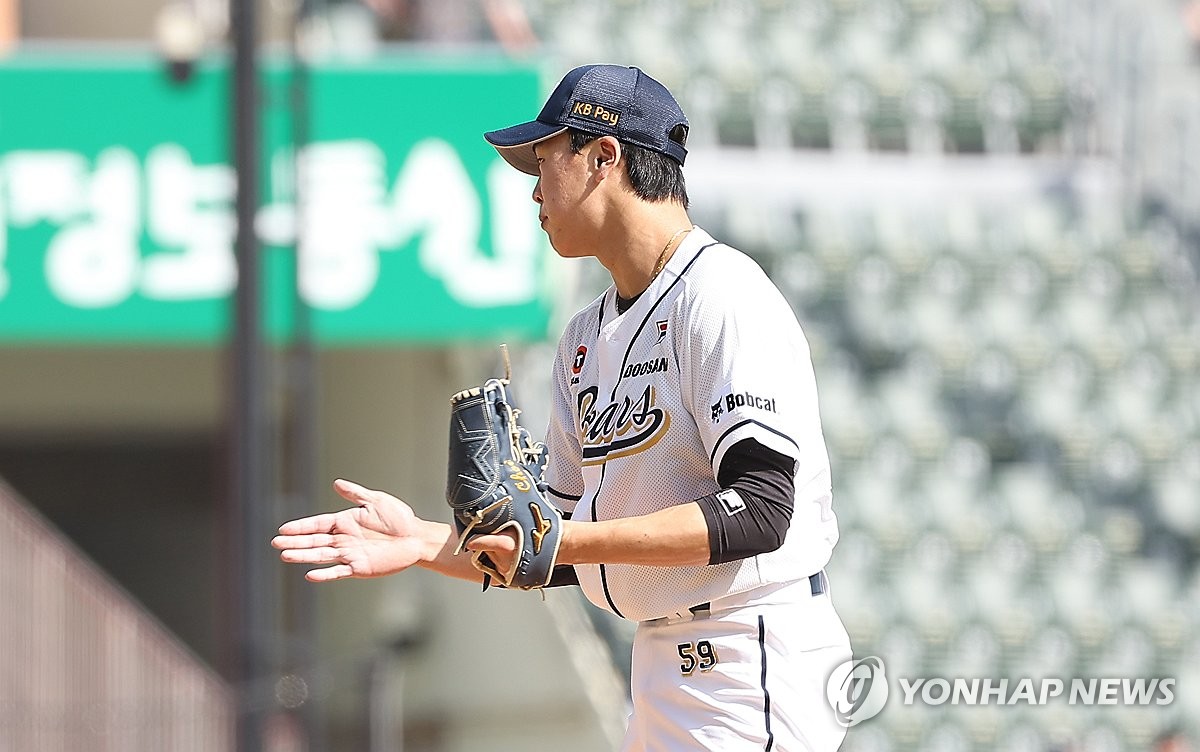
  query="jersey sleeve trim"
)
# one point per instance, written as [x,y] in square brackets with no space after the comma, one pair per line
[717,445]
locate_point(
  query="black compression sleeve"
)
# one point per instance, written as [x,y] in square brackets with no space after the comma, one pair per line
[755,519]
[564,574]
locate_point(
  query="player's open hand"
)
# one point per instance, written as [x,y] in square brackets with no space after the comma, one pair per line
[379,536]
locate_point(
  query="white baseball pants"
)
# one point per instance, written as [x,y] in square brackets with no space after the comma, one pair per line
[748,675]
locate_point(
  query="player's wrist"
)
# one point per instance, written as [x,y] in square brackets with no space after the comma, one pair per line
[436,539]
[568,547]
[589,542]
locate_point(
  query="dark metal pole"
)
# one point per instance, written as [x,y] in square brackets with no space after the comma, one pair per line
[301,435]
[249,527]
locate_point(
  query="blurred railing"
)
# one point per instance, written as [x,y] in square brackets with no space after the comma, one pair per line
[82,666]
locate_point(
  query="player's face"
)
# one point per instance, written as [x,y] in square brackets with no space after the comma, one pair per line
[562,192]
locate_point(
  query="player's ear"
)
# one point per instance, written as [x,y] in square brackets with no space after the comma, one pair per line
[606,152]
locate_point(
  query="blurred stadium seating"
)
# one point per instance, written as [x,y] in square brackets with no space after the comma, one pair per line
[1009,391]
[887,74]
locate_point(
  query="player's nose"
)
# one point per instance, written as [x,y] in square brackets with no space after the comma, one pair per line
[537,191]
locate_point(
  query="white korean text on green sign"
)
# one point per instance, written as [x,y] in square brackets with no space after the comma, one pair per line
[116,203]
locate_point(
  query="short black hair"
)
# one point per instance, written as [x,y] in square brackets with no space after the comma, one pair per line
[654,176]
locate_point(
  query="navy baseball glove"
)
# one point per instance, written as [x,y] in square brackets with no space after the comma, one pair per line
[495,484]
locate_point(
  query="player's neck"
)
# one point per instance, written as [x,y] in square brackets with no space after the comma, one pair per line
[642,243]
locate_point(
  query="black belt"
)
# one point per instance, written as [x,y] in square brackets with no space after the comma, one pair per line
[818,583]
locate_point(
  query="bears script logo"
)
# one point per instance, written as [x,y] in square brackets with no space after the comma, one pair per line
[620,428]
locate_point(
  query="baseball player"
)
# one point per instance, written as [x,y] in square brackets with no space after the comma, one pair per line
[684,446]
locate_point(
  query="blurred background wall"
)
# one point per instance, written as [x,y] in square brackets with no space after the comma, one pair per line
[982,211]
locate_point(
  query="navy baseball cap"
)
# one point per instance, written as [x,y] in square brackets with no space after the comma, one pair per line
[604,100]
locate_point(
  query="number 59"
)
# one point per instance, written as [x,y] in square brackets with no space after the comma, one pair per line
[701,655]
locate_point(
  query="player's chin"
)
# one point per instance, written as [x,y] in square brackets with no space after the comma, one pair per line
[564,247]
[556,245]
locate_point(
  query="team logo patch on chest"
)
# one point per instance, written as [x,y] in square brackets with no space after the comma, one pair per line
[620,428]
[577,364]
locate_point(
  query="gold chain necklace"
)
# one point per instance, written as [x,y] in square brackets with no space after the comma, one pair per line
[622,303]
[662,256]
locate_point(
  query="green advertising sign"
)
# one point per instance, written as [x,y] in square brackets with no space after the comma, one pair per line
[116,203]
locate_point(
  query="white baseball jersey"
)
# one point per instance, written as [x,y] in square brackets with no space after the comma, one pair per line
[646,404]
